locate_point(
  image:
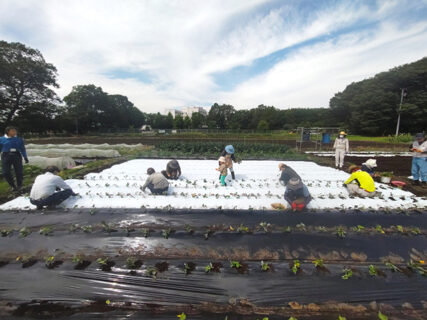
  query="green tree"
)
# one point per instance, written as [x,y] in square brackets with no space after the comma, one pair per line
[198,120]
[187,122]
[220,115]
[25,80]
[178,122]
[263,125]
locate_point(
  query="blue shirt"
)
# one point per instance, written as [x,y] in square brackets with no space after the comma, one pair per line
[13,144]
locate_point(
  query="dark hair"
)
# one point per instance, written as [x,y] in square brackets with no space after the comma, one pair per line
[52,169]
[150,171]
[9,128]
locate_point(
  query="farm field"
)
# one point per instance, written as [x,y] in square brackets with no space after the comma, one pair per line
[213,252]
[256,188]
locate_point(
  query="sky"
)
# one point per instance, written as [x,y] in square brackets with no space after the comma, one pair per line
[167,54]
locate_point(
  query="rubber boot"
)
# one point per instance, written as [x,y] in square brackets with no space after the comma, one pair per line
[233,175]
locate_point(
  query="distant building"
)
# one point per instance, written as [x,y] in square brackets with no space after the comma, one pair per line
[186,111]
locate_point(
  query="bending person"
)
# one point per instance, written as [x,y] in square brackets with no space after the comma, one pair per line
[360,183]
[287,174]
[297,194]
[12,151]
[173,170]
[49,190]
[228,154]
[156,182]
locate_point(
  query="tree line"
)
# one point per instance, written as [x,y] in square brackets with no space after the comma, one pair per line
[28,100]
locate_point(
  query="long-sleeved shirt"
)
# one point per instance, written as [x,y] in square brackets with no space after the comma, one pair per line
[287,174]
[13,144]
[363,179]
[157,179]
[422,147]
[292,195]
[341,144]
[45,185]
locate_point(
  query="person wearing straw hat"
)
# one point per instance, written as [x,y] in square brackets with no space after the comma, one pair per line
[341,147]
[419,160]
[360,183]
[297,194]
[222,170]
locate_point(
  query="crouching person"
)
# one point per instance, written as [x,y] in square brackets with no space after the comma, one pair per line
[287,174]
[49,190]
[156,182]
[173,170]
[222,170]
[297,194]
[360,183]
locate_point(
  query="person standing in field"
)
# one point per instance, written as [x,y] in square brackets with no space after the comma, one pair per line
[419,160]
[228,154]
[12,151]
[341,147]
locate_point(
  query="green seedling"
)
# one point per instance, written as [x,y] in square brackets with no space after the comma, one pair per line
[182,316]
[392,267]
[379,229]
[87,229]
[50,262]
[103,261]
[292,318]
[189,267]
[26,260]
[373,271]
[342,318]
[301,227]
[415,230]
[382,316]
[235,264]
[77,259]
[189,229]
[400,229]
[24,232]
[166,233]
[265,226]
[341,232]
[321,229]
[46,231]
[73,228]
[318,263]
[296,267]
[151,272]
[132,263]
[106,227]
[6,232]
[287,229]
[145,232]
[359,228]
[243,229]
[347,274]
[209,267]
[265,266]
[417,266]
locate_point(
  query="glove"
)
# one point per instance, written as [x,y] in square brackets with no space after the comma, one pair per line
[26,160]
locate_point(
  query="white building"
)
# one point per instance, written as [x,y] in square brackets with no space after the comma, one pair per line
[186,111]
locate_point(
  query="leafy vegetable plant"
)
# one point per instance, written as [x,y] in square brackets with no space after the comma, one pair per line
[341,232]
[373,271]
[318,263]
[46,231]
[166,233]
[296,267]
[382,316]
[24,232]
[265,266]
[347,274]
[6,232]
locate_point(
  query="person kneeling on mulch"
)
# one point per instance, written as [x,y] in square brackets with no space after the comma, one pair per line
[173,170]
[49,190]
[156,182]
[222,170]
[297,194]
[360,183]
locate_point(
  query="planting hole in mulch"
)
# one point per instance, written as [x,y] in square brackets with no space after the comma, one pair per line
[162,266]
[82,265]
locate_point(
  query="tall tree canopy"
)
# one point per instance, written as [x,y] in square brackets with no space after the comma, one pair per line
[371,106]
[95,110]
[26,82]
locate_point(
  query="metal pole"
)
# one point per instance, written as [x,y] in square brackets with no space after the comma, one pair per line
[398,116]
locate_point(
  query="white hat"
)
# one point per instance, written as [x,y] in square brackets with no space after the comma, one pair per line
[371,163]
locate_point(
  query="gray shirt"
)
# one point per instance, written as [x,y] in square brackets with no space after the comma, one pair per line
[158,181]
[422,147]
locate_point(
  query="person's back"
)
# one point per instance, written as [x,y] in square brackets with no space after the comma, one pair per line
[156,182]
[287,174]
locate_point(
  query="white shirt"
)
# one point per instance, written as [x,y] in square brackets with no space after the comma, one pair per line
[45,185]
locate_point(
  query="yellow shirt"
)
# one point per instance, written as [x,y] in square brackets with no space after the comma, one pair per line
[364,180]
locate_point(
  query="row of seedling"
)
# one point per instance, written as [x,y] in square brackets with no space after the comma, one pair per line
[295,266]
[263,227]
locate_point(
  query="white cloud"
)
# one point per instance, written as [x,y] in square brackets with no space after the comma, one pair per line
[181,43]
